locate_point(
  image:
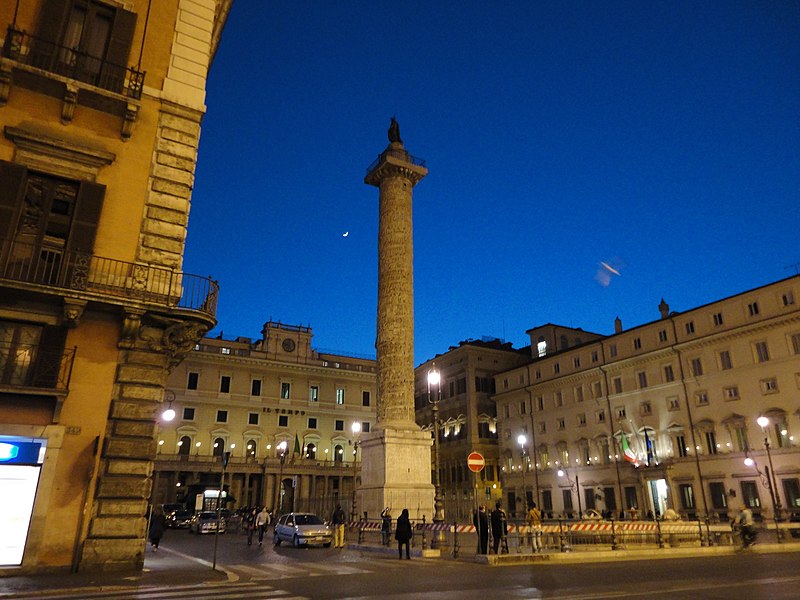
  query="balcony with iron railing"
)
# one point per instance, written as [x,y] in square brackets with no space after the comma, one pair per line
[43,268]
[70,74]
[34,367]
[397,153]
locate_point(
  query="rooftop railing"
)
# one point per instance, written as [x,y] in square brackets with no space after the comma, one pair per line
[396,153]
[40,264]
[72,63]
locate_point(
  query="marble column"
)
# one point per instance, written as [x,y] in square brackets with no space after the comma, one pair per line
[396,455]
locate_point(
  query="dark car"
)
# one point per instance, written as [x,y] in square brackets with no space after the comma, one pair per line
[179,519]
[206,522]
[302,529]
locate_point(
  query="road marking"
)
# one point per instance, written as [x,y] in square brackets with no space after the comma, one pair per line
[232,577]
[222,591]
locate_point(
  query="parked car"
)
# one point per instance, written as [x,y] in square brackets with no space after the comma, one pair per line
[179,519]
[206,522]
[302,529]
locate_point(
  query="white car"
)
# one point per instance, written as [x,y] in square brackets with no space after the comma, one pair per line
[302,529]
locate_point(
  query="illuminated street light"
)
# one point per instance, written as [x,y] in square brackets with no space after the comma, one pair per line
[575,485]
[522,440]
[763,422]
[435,379]
[356,429]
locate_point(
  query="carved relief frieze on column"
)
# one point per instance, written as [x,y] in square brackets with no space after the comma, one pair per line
[174,337]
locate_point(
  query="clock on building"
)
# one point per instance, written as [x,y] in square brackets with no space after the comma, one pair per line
[288,345]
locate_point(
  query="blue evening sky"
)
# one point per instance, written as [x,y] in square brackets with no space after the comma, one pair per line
[659,137]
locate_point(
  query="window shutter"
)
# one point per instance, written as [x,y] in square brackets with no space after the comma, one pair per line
[53,15]
[47,367]
[119,48]
[12,189]
[87,215]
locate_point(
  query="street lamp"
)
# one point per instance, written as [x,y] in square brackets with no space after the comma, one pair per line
[435,379]
[522,440]
[281,448]
[575,485]
[356,429]
[763,422]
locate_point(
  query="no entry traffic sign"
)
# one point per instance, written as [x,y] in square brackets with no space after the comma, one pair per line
[475,462]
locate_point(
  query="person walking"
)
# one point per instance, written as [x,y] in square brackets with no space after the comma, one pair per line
[262,522]
[481,522]
[499,528]
[386,526]
[338,519]
[534,518]
[158,521]
[747,527]
[403,534]
[250,525]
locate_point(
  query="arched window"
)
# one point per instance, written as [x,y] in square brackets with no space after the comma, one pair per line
[338,453]
[184,445]
[250,448]
[219,447]
[311,451]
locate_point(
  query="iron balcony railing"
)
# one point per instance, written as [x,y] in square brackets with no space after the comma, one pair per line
[73,63]
[397,153]
[35,366]
[76,271]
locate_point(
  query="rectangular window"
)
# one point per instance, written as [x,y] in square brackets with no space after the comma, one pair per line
[313,393]
[642,379]
[711,442]
[365,399]
[188,414]
[762,352]
[566,495]
[601,416]
[719,498]
[338,425]
[506,411]
[673,403]
[538,374]
[690,328]
[669,374]
[680,443]
[612,350]
[547,501]
[618,385]
[725,362]
[286,390]
[741,439]
[731,393]
[558,397]
[788,298]
[687,496]
[556,368]
[579,394]
[697,367]
[252,418]
[576,362]
[637,343]
[588,499]
[365,427]
[191,383]
[662,335]
[718,319]
[522,407]
[701,398]
[340,396]
[312,422]
[560,423]
[540,403]
[595,356]
[225,384]
[581,419]
[461,385]
[222,416]
[791,490]
[225,350]
[283,420]
[645,409]
[752,308]
[255,387]
[542,427]
[621,413]
[769,386]
[598,389]
[750,494]
[796,343]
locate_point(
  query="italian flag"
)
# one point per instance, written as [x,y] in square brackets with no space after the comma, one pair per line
[627,452]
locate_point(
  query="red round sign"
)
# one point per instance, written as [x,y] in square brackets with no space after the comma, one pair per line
[475,462]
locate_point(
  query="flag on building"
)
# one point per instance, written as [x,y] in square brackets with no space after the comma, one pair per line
[296,445]
[627,452]
[649,446]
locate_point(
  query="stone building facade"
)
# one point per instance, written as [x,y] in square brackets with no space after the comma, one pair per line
[100,106]
[246,397]
[678,396]
[467,419]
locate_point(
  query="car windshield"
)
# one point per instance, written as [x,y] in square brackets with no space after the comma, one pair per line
[206,516]
[307,520]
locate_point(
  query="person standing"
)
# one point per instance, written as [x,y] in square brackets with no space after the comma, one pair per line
[262,521]
[250,525]
[535,524]
[158,521]
[338,519]
[386,526]
[747,528]
[499,528]
[481,522]
[403,534]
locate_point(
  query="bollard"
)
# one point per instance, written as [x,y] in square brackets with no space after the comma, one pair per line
[562,537]
[614,545]
[703,542]
[360,532]
[456,547]
[659,535]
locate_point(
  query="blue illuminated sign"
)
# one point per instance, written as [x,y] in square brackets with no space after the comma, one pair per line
[19,453]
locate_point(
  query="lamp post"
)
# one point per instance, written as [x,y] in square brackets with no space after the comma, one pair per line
[763,422]
[522,440]
[435,379]
[281,448]
[356,429]
[575,485]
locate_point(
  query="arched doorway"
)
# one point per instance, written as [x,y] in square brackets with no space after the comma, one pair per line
[250,449]
[184,445]
[338,453]
[219,447]
[311,451]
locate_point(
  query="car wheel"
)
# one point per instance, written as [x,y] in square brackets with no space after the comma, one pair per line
[327,545]
[296,541]
[276,540]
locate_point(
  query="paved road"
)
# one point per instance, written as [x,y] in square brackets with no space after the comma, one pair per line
[287,573]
